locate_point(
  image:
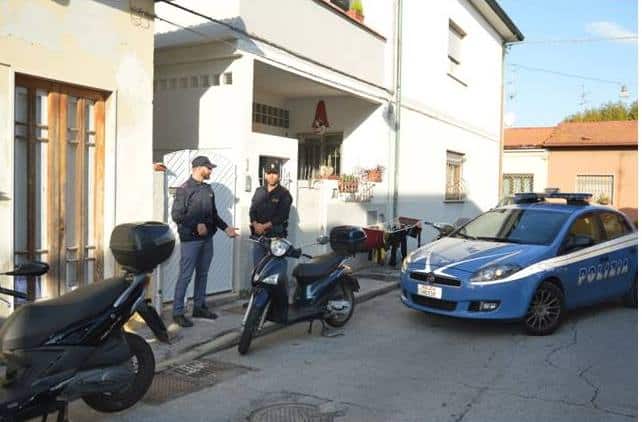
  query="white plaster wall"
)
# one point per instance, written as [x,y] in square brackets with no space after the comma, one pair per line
[422,174]
[101,45]
[215,116]
[425,82]
[534,161]
[310,29]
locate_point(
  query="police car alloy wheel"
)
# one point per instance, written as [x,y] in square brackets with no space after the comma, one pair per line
[545,311]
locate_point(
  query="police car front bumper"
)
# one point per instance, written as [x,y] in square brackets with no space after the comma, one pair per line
[508,300]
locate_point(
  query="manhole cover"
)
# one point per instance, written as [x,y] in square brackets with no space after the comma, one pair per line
[190,377]
[290,412]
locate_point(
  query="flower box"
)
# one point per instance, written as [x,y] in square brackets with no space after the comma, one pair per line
[348,186]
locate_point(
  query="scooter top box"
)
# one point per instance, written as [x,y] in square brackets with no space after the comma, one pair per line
[140,247]
[347,240]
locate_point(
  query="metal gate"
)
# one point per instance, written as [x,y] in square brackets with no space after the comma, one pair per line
[223,182]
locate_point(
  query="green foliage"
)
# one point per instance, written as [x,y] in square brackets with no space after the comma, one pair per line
[608,111]
[357,6]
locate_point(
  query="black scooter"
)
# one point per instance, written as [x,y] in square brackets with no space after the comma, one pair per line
[74,346]
[324,287]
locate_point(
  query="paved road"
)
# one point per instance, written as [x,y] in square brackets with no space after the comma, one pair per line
[400,365]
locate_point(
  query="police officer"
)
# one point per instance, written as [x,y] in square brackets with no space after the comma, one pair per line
[270,208]
[194,211]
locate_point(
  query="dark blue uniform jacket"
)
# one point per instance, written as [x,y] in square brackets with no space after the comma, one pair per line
[194,204]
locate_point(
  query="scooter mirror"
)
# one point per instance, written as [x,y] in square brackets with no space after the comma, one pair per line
[33,268]
[323,240]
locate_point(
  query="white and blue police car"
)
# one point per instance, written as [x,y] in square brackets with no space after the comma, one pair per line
[530,261]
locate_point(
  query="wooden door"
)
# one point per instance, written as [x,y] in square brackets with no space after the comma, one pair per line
[58,183]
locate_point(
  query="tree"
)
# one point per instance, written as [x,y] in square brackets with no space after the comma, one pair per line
[608,111]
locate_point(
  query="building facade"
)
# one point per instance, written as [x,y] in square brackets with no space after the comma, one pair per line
[75,134]
[594,157]
[415,89]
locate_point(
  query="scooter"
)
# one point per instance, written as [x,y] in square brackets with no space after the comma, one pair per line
[74,346]
[324,287]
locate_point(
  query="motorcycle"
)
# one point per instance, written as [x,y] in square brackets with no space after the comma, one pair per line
[74,346]
[324,287]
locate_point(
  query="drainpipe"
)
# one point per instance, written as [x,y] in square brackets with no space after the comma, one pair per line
[399,32]
[501,127]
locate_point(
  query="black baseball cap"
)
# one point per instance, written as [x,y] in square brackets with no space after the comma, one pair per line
[202,161]
[273,167]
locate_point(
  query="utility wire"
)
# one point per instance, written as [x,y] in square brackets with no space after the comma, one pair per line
[567,75]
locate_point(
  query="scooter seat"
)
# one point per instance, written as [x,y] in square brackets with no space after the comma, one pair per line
[32,324]
[319,267]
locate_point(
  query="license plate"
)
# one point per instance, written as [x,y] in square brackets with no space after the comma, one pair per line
[429,291]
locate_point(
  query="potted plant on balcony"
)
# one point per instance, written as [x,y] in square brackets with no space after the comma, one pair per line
[348,184]
[356,10]
[341,4]
[375,174]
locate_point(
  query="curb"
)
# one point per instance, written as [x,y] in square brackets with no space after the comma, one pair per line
[229,339]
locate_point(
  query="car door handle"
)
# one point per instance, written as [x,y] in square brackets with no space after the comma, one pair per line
[604,259]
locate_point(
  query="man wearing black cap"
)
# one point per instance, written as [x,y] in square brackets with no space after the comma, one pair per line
[194,211]
[270,208]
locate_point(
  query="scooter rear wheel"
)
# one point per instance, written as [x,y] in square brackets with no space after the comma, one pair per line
[342,292]
[144,367]
[251,324]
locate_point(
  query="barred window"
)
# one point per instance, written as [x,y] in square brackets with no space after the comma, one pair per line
[455,189]
[271,116]
[517,183]
[601,186]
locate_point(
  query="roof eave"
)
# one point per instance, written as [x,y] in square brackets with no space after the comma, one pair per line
[499,20]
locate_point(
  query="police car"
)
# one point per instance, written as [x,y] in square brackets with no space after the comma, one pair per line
[531,261]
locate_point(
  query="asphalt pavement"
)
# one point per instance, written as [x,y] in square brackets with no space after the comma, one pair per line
[396,364]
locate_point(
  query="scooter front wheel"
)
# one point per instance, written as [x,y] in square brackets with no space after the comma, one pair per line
[144,365]
[251,324]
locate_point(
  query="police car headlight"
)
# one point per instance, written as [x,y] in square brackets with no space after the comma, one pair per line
[279,247]
[494,272]
[404,264]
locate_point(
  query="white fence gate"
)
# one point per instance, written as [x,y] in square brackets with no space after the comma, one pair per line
[223,182]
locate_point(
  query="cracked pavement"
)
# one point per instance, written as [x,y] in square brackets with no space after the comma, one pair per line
[395,364]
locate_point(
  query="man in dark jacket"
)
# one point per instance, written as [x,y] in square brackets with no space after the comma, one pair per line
[194,211]
[270,208]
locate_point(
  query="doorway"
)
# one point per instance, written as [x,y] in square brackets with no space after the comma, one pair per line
[59,149]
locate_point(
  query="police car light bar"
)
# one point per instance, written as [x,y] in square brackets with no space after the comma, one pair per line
[571,198]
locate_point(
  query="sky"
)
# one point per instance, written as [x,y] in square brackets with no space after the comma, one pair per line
[536,98]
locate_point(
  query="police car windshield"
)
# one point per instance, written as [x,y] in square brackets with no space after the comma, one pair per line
[535,227]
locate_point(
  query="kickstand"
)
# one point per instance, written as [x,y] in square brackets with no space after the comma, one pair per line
[63,412]
[310,326]
[330,332]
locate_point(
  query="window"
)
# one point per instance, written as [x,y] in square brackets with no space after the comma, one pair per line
[614,225]
[601,186]
[586,225]
[455,189]
[319,150]
[271,116]
[455,42]
[516,183]
[534,227]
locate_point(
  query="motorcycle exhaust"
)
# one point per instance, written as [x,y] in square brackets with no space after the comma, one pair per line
[94,381]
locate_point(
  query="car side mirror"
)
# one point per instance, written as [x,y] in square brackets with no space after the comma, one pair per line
[444,229]
[577,242]
[323,240]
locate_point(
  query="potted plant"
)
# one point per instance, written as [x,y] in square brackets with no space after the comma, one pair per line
[348,184]
[342,4]
[356,10]
[374,174]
